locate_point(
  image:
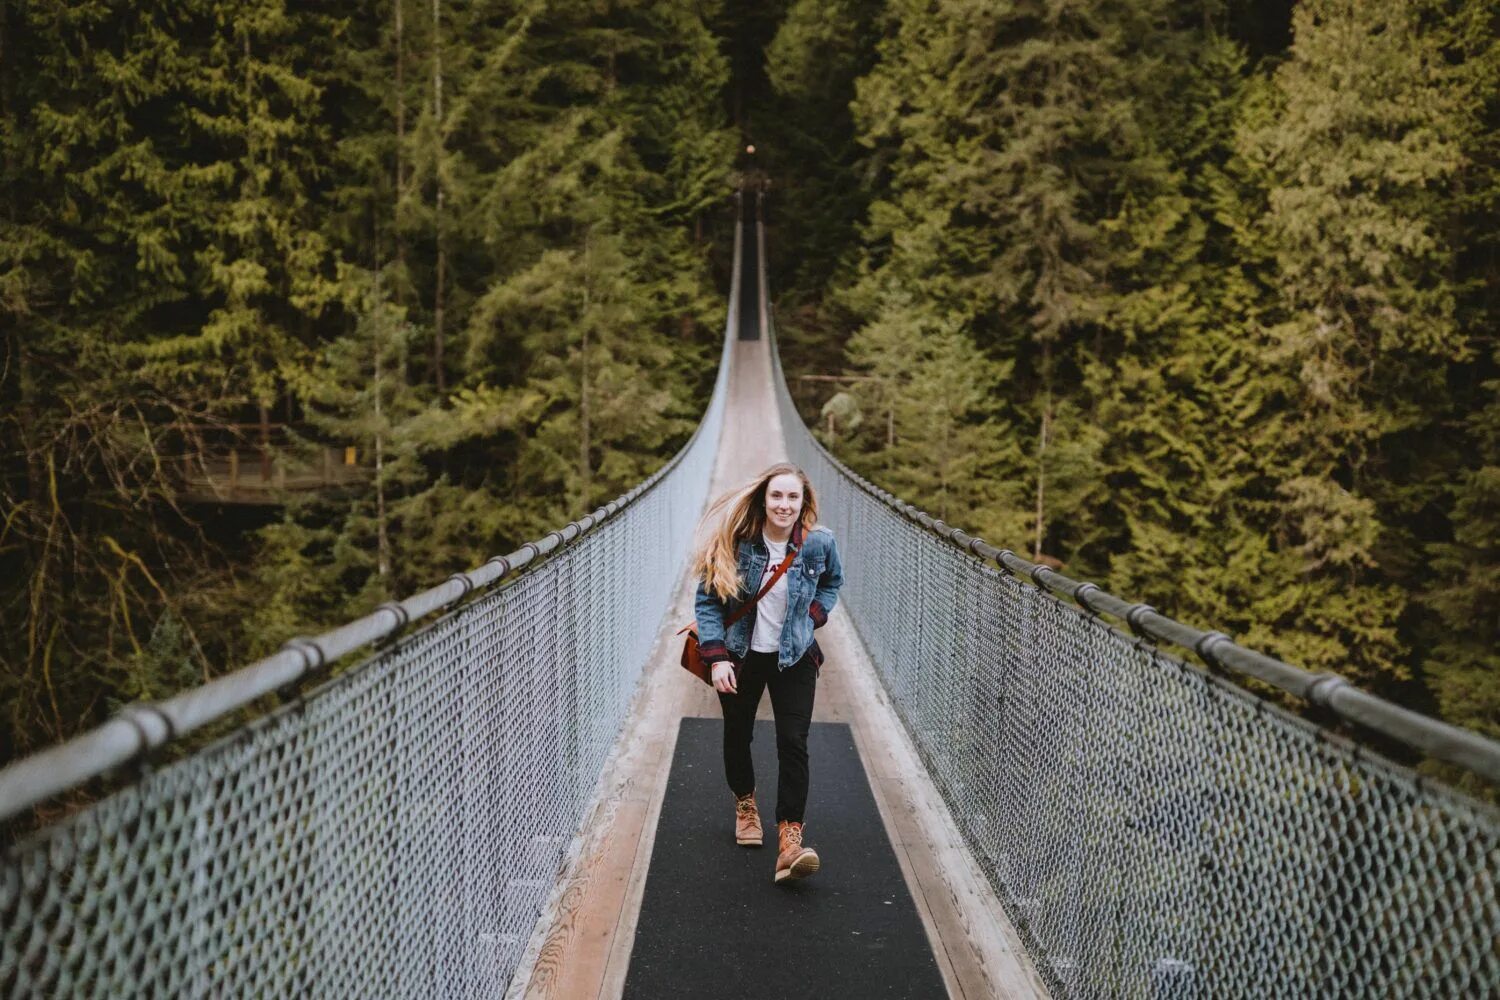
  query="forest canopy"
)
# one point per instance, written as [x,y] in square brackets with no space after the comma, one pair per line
[463,245]
[1197,300]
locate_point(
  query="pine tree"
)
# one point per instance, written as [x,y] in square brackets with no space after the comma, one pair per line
[1461,665]
[158,164]
[213,212]
[1171,372]
[933,425]
[805,136]
[1353,147]
[573,148]
[1005,135]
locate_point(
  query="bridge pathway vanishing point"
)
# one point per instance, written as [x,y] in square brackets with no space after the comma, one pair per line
[586,952]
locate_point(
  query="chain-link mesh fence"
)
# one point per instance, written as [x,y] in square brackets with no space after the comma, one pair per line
[393,833]
[1153,830]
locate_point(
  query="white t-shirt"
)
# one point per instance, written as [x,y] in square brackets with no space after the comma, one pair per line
[770,613]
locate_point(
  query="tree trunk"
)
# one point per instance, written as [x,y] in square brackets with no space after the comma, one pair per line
[437,109]
[1041,451]
[437,307]
[400,153]
[943,463]
[382,537]
[265,443]
[585,475]
[383,541]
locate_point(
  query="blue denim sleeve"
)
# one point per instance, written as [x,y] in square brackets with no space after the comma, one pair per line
[709,613]
[832,578]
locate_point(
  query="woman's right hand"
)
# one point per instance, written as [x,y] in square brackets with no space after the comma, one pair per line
[723,677]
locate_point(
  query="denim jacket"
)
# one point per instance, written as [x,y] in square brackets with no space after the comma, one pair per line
[813,581]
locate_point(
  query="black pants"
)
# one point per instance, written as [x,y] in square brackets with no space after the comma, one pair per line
[792,693]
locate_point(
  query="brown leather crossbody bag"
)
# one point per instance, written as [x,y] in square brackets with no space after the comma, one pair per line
[692,661]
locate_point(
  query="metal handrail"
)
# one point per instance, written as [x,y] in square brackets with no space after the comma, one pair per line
[141,727]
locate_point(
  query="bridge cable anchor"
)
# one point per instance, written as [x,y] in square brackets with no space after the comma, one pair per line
[131,714]
[403,619]
[1081,597]
[312,654]
[468,585]
[1133,616]
[313,658]
[1207,647]
[1319,696]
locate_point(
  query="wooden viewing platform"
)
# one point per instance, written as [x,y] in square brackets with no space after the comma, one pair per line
[259,476]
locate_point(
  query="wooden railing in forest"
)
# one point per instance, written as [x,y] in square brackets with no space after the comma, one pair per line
[264,471]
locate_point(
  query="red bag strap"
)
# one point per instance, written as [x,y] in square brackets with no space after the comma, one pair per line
[791,553]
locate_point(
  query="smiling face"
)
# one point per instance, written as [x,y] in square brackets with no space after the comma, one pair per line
[783,501]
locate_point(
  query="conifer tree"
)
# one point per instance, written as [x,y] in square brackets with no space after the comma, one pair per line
[1173,374]
[806,138]
[1007,133]
[573,150]
[159,168]
[1357,141]
[1461,641]
[1237,269]
[201,202]
[941,433]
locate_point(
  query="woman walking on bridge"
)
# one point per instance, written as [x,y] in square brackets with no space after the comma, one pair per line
[764,539]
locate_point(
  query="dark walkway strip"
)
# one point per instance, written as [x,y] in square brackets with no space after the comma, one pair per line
[749,273]
[712,922]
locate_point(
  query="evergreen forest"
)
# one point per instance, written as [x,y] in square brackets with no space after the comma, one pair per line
[463,244]
[1196,300]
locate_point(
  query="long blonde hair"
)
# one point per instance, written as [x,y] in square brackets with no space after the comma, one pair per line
[737,515]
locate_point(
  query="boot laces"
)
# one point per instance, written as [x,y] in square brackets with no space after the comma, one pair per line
[745,806]
[794,835]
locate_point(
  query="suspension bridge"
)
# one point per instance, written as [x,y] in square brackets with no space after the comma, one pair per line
[1022,786]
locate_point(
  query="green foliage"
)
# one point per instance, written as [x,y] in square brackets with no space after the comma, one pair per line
[159,163]
[1229,292]
[1463,668]
[1197,300]
[455,237]
[933,426]
[1352,150]
[1006,137]
[574,148]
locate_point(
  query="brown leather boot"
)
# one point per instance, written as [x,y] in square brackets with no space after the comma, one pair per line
[747,826]
[794,861]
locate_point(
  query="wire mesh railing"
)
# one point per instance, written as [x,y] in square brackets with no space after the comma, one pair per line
[395,831]
[1152,829]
